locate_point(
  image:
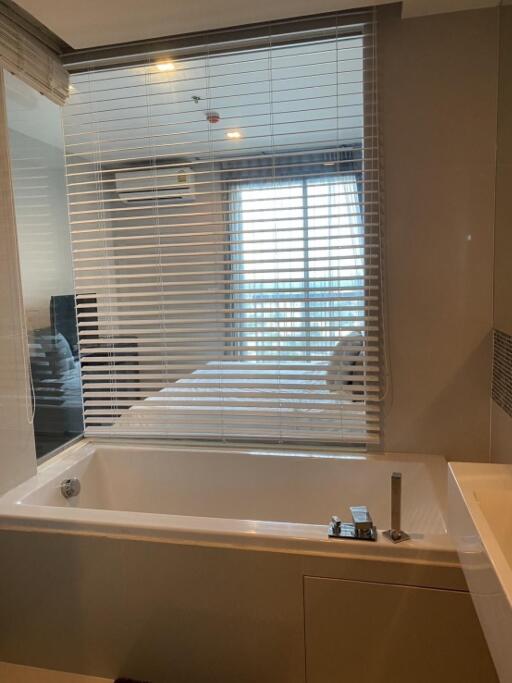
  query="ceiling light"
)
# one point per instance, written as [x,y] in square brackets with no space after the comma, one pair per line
[233,134]
[165,65]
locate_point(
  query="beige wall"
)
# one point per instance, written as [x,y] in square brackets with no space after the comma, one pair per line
[501,424]
[438,85]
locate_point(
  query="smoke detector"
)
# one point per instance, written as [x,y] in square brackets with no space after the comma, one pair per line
[212,116]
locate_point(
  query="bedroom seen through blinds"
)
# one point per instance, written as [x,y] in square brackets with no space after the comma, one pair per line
[225,227]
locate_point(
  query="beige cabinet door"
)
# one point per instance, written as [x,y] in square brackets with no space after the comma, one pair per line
[382,633]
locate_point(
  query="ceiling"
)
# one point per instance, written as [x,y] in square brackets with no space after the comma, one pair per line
[106,22]
[266,95]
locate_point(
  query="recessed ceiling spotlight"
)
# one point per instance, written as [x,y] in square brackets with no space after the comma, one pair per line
[165,65]
[233,134]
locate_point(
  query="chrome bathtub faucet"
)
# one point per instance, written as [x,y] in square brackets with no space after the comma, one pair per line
[395,534]
[361,528]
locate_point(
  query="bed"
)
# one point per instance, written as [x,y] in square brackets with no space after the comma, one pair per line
[222,399]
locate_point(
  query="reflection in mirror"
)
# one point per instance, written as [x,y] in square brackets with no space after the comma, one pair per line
[39,184]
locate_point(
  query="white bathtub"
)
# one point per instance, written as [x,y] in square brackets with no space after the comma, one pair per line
[213,564]
[276,500]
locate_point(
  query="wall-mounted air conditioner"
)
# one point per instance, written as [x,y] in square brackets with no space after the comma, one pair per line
[156,184]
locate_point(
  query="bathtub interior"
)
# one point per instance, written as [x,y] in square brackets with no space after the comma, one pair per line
[254,485]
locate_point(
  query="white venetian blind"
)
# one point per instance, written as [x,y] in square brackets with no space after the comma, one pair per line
[27,56]
[225,225]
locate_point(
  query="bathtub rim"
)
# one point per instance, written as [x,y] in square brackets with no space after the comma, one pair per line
[288,537]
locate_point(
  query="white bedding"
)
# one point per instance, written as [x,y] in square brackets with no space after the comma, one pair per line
[247,400]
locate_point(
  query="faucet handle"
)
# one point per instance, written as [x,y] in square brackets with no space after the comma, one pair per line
[335,527]
[361,518]
[361,528]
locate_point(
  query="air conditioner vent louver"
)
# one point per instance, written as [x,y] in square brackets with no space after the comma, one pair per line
[152,185]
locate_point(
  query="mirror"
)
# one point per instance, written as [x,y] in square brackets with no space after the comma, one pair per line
[36,147]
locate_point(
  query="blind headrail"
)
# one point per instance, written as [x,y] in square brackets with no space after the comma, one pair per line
[199,43]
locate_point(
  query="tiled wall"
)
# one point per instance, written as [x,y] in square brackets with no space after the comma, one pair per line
[502,371]
[501,406]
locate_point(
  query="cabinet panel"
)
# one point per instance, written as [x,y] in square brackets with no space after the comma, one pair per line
[382,633]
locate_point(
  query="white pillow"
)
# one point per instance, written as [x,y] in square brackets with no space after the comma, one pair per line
[344,357]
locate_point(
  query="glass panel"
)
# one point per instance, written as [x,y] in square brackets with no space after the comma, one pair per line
[226,241]
[39,183]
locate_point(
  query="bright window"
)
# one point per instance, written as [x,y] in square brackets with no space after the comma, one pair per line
[300,261]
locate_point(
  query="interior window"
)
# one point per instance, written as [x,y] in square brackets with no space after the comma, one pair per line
[225,235]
